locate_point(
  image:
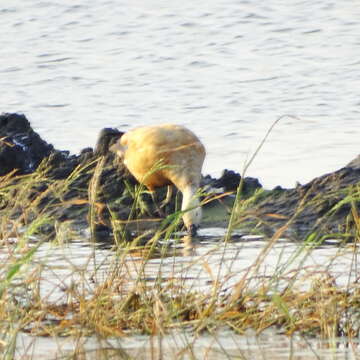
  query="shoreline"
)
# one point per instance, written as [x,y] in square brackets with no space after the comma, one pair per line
[100,186]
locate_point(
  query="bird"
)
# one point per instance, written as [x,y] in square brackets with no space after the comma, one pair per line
[180,154]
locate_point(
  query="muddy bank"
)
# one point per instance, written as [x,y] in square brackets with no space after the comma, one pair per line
[328,204]
[94,187]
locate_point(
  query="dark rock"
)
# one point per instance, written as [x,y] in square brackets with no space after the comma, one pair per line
[229,180]
[278,188]
[21,147]
[251,185]
[311,207]
[60,165]
[112,183]
[14,124]
[86,154]
[11,157]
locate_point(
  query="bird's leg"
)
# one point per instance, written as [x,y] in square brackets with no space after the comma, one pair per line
[157,207]
[168,196]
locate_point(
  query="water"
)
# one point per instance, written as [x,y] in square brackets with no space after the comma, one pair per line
[80,265]
[225,69]
[78,261]
[267,346]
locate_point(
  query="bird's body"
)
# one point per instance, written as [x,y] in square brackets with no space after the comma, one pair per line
[166,154]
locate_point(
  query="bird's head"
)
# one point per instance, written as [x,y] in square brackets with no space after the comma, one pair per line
[192,219]
[118,149]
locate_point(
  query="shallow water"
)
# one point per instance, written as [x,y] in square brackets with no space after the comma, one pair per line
[222,345]
[196,267]
[225,69]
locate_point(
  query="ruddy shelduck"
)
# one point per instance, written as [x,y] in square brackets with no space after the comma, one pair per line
[162,155]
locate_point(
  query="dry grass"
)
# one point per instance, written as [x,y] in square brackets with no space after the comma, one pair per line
[114,306]
[120,301]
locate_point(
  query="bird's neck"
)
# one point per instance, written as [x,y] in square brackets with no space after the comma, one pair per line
[191,201]
[189,198]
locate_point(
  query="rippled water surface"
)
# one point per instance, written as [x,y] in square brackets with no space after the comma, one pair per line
[226,69]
